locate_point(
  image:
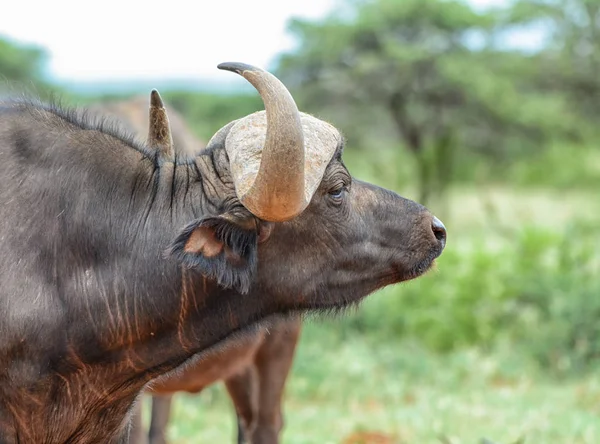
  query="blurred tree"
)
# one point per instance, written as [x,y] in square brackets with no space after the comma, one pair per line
[21,63]
[570,62]
[428,65]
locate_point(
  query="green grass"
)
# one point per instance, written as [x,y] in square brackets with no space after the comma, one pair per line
[341,386]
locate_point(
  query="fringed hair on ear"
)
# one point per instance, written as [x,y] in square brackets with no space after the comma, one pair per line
[221,249]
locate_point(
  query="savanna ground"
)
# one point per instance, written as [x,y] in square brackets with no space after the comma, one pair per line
[493,344]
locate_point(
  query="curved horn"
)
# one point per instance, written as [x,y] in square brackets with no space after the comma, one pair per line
[159,131]
[277,193]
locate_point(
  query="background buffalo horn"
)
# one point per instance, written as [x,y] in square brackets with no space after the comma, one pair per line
[277,193]
[159,131]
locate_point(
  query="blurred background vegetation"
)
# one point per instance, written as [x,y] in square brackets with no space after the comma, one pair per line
[502,340]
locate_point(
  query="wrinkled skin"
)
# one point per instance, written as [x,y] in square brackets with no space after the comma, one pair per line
[116,269]
[253,369]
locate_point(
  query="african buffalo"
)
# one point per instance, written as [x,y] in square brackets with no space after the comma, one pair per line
[254,369]
[120,261]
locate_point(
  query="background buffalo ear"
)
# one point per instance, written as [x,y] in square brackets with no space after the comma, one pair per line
[221,247]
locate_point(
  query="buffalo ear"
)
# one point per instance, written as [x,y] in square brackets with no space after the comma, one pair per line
[221,247]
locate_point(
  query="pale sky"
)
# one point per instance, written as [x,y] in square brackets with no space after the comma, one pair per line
[133,39]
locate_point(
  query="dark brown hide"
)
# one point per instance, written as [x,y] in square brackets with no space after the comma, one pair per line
[254,368]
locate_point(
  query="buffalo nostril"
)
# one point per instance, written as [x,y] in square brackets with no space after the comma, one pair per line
[439,230]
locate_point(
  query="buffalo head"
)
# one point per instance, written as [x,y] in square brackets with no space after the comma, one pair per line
[291,220]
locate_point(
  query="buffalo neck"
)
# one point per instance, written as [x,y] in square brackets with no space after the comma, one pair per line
[146,314]
[174,313]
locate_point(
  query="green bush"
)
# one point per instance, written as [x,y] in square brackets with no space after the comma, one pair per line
[537,291]
[571,166]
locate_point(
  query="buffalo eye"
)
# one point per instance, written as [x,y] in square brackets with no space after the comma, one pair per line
[337,193]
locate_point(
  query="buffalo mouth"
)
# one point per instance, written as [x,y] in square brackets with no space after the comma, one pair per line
[339,298]
[416,271]
[420,268]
